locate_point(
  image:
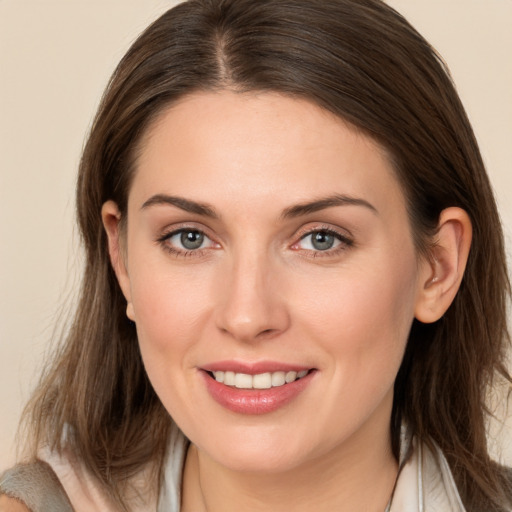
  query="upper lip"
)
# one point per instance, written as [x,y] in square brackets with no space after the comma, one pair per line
[253,368]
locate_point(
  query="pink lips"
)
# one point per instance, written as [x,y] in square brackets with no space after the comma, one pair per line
[254,401]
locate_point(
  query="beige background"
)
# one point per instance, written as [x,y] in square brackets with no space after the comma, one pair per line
[55,59]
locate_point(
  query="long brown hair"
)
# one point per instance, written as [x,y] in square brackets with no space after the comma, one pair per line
[362,61]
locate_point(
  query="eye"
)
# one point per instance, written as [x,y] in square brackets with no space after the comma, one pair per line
[320,241]
[189,240]
[186,240]
[323,240]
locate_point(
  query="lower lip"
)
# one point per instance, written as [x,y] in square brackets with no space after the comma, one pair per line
[255,401]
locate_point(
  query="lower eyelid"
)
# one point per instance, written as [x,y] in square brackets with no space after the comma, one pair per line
[176,250]
[343,242]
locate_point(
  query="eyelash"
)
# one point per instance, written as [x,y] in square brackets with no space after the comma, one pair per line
[183,253]
[345,242]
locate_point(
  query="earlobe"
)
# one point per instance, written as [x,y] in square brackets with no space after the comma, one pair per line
[442,273]
[111,217]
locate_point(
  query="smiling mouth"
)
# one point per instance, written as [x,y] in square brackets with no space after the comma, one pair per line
[265,380]
[258,388]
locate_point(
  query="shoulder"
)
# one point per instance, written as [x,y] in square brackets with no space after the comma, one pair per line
[32,487]
[11,505]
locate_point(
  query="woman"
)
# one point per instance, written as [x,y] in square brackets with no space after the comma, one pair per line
[295,287]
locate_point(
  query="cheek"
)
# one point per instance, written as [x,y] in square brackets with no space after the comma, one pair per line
[362,317]
[168,311]
[171,310]
[170,302]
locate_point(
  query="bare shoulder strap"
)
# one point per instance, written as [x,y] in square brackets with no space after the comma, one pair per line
[37,486]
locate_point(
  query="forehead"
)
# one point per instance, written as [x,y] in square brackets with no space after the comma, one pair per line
[252,145]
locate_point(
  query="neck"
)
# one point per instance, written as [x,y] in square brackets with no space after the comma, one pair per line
[360,475]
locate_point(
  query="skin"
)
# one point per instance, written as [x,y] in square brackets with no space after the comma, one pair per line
[11,505]
[258,289]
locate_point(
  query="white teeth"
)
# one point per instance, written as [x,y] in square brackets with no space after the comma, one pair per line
[229,378]
[278,379]
[290,377]
[258,381]
[262,381]
[243,381]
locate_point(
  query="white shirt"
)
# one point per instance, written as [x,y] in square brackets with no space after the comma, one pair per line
[424,484]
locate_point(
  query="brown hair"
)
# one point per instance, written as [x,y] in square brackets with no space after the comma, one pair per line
[362,61]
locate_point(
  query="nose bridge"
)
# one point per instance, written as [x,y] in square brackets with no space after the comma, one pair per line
[251,305]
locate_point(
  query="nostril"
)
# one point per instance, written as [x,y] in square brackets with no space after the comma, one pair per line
[267,333]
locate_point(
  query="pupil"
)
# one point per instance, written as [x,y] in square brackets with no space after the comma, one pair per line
[192,239]
[322,241]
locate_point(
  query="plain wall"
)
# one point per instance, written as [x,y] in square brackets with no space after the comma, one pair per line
[55,59]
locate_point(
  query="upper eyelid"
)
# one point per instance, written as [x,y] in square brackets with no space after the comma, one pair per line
[308,230]
[175,232]
[299,234]
[324,230]
[341,238]
[345,239]
[163,241]
[169,231]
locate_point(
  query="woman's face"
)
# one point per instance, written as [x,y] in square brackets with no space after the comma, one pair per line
[267,241]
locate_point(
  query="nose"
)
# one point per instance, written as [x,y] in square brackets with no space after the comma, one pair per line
[251,303]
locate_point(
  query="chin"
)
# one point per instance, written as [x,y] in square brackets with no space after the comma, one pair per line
[259,450]
[259,461]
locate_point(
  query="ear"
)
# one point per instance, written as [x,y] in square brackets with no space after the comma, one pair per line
[441,274]
[111,217]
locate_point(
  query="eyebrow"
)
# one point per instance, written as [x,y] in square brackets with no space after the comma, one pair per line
[293,211]
[326,202]
[182,203]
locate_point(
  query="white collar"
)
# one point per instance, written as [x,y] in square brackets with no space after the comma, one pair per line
[424,484]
